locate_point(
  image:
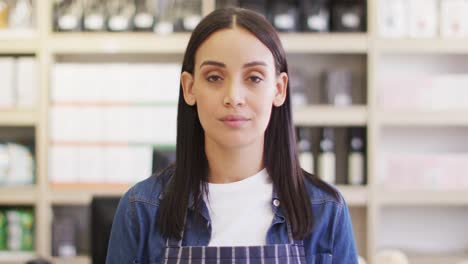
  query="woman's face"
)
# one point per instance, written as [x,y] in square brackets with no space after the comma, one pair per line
[234,86]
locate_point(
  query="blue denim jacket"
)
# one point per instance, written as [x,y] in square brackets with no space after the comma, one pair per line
[135,238]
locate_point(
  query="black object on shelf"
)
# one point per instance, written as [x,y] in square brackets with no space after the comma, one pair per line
[315,15]
[68,15]
[38,261]
[337,87]
[102,215]
[284,15]
[348,16]
[95,16]
[259,6]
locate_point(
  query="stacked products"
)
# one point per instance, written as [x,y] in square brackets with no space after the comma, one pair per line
[16,230]
[19,88]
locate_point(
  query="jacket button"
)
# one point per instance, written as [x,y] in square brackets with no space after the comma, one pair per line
[276,202]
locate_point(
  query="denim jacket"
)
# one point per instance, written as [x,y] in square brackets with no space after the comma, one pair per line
[135,237]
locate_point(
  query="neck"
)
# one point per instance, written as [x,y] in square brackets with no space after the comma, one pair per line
[231,164]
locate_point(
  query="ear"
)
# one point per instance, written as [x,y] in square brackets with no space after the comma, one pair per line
[281,88]
[186,79]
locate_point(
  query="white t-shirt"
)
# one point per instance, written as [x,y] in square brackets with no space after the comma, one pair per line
[241,212]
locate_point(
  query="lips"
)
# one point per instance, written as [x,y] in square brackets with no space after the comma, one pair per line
[234,121]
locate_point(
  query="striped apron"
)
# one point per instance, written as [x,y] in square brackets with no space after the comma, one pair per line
[292,253]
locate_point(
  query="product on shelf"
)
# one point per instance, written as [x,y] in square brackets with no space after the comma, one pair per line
[424,92]
[69,15]
[348,16]
[165,18]
[3,14]
[284,15]
[297,86]
[20,230]
[306,157]
[20,16]
[453,21]
[121,14]
[315,15]
[16,165]
[392,18]
[3,230]
[188,14]
[259,6]
[326,162]
[144,15]
[337,87]
[424,171]
[95,15]
[63,237]
[356,157]
[422,18]
[19,83]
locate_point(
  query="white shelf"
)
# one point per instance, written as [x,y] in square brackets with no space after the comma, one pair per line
[16,257]
[72,260]
[109,43]
[18,118]
[325,43]
[354,195]
[424,197]
[75,43]
[454,258]
[432,46]
[82,194]
[18,195]
[330,116]
[18,42]
[427,118]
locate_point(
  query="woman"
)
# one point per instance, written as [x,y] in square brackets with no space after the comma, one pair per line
[237,193]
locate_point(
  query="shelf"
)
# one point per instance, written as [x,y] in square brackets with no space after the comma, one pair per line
[424,197]
[18,195]
[18,43]
[325,42]
[81,194]
[18,118]
[72,260]
[330,116]
[14,257]
[427,118]
[110,43]
[76,43]
[432,46]
[354,195]
[455,258]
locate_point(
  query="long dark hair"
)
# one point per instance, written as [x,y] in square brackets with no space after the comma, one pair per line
[280,157]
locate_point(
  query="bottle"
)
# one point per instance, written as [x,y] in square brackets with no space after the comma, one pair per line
[327,157]
[3,14]
[356,159]
[94,18]
[165,17]
[144,16]
[69,16]
[284,15]
[187,14]
[306,158]
[121,15]
[315,15]
[21,15]
[348,16]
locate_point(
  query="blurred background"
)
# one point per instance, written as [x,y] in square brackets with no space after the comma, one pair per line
[88,105]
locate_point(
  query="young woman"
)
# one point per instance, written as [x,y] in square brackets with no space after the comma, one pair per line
[236,193]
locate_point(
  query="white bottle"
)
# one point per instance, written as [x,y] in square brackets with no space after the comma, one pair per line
[306,158]
[327,157]
[356,159]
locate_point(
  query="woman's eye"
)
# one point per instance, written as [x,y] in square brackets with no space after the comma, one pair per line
[213,78]
[255,79]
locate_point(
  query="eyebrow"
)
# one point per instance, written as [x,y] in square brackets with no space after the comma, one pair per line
[220,64]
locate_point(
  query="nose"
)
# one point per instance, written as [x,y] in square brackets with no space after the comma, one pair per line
[235,95]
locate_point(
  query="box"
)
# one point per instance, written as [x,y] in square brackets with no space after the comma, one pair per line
[423,18]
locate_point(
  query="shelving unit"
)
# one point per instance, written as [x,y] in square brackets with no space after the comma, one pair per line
[368,200]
